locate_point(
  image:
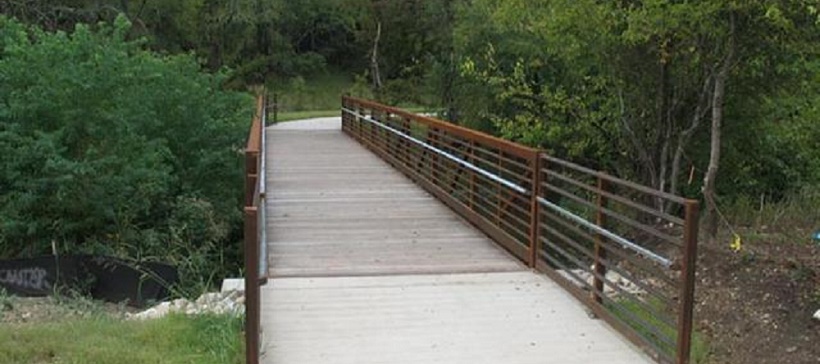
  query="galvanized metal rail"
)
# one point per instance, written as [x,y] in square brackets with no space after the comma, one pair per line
[511,185]
[587,230]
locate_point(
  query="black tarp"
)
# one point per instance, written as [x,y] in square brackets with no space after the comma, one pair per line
[102,277]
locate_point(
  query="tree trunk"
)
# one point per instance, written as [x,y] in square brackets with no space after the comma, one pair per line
[448,91]
[683,139]
[711,217]
[374,59]
[718,98]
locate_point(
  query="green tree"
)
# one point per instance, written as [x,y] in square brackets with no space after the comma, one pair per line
[629,86]
[104,144]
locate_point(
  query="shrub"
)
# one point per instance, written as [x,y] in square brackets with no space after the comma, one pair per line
[107,147]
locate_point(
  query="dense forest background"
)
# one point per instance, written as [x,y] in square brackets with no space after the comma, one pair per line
[120,119]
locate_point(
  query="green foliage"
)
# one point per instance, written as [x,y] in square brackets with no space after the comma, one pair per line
[628,87]
[6,300]
[172,339]
[108,147]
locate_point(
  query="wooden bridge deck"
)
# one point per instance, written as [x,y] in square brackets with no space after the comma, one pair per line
[366,268]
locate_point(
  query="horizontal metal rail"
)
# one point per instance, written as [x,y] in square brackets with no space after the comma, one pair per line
[535,206]
[612,236]
[449,156]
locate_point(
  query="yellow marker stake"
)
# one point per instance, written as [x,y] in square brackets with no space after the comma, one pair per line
[736,243]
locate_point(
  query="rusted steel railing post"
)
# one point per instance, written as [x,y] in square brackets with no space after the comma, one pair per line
[542,190]
[252,314]
[535,191]
[358,129]
[472,175]
[434,159]
[371,135]
[404,144]
[254,170]
[687,292]
[598,266]
[251,176]
[345,115]
[498,193]
[275,107]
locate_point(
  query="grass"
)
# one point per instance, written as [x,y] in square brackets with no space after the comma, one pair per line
[699,351]
[173,339]
[320,95]
[299,115]
[318,92]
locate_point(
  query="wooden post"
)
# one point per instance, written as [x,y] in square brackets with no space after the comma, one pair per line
[598,266]
[687,291]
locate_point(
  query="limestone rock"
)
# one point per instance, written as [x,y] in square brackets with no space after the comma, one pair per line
[228,302]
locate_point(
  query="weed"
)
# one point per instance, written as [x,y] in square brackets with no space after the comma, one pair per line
[748,257]
[794,217]
[6,300]
[800,272]
[661,335]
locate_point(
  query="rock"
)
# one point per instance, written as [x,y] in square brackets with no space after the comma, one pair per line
[612,277]
[233,284]
[228,302]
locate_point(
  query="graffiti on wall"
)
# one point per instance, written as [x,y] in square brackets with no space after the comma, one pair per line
[32,278]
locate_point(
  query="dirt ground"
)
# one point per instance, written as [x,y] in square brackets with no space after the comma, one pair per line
[756,306]
[24,310]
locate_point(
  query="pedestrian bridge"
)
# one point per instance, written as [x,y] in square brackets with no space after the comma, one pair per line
[388,237]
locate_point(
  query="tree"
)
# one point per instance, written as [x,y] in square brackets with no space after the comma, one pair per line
[107,147]
[627,86]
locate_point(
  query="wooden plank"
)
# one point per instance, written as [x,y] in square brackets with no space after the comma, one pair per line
[369,268]
[336,209]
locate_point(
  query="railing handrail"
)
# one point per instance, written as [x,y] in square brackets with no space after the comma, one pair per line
[512,185]
[469,171]
[508,146]
[507,183]
[254,239]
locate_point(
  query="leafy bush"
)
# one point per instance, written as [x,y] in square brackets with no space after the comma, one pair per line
[106,147]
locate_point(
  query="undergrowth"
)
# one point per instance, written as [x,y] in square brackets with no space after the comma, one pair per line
[699,351]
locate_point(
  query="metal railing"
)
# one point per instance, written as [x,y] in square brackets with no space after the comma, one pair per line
[624,250]
[254,248]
